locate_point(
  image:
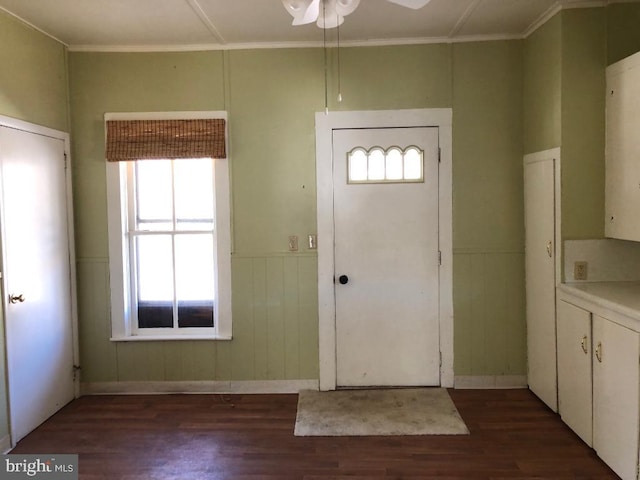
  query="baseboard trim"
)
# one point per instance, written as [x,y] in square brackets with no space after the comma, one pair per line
[5,444]
[490,381]
[149,388]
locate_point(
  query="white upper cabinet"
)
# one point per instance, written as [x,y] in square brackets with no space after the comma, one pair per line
[622,188]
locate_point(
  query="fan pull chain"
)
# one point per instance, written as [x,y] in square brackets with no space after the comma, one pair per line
[326,68]
[339,73]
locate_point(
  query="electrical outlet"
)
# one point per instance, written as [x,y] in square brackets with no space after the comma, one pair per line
[293,243]
[580,270]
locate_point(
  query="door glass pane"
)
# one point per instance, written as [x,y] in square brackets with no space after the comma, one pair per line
[194,194]
[153,195]
[394,164]
[194,280]
[376,165]
[413,164]
[154,281]
[357,166]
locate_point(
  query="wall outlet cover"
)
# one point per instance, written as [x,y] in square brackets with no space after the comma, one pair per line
[580,270]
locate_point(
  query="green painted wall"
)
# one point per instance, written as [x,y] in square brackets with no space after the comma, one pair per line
[488,210]
[623,34]
[33,88]
[564,85]
[583,47]
[271,97]
[542,87]
[33,77]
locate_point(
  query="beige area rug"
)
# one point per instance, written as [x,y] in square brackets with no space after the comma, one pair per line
[410,411]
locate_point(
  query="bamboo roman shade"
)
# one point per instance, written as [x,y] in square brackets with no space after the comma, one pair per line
[129,140]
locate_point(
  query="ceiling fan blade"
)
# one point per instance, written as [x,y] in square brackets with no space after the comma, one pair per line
[415,4]
[345,7]
[310,14]
[297,9]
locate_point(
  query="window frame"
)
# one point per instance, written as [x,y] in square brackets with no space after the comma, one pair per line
[121,300]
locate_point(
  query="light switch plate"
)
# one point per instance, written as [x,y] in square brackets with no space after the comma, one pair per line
[293,243]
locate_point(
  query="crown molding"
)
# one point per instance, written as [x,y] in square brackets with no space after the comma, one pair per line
[284,45]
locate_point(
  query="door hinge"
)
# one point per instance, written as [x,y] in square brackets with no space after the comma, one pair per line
[65,160]
[440,358]
[439,154]
[76,372]
[439,258]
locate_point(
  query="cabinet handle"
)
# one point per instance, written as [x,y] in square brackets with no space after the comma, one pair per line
[599,352]
[583,344]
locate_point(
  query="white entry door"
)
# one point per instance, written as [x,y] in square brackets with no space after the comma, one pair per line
[36,276]
[386,257]
[539,209]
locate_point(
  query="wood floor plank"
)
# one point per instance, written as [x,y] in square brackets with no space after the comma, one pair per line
[250,437]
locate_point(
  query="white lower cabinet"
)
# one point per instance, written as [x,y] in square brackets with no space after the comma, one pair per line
[574,370]
[616,379]
[598,385]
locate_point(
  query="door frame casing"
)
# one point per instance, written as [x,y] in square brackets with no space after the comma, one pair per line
[326,122]
[28,127]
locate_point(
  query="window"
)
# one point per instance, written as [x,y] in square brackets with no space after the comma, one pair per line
[169,249]
[393,165]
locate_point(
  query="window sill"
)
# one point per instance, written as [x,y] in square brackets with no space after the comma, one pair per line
[163,338]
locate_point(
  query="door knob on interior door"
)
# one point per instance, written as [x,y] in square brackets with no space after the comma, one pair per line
[16,298]
[343,279]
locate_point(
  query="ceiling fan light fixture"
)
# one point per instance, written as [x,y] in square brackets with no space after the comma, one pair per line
[331,13]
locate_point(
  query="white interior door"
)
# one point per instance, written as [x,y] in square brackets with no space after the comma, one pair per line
[539,206]
[386,257]
[36,273]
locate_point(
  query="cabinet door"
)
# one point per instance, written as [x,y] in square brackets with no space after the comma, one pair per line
[539,208]
[622,179]
[616,377]
[574,369]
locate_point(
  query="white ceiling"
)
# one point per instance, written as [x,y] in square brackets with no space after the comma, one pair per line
[211,24]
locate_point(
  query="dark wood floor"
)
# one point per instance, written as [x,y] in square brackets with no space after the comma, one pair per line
[183,437]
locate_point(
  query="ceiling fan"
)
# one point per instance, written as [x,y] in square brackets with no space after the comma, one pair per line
[331,13]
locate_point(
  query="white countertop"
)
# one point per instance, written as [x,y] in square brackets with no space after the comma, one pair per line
[620,297]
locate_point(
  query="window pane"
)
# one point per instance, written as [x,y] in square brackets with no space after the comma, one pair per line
[154,281]
[153,195]
[194,194]
[394,164]
[413,164]
[376,165]
[155,315]
[194,280]
[154,268]
[357,166]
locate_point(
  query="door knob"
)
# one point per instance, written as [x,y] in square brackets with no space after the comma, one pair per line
[343,279]
[16,298]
